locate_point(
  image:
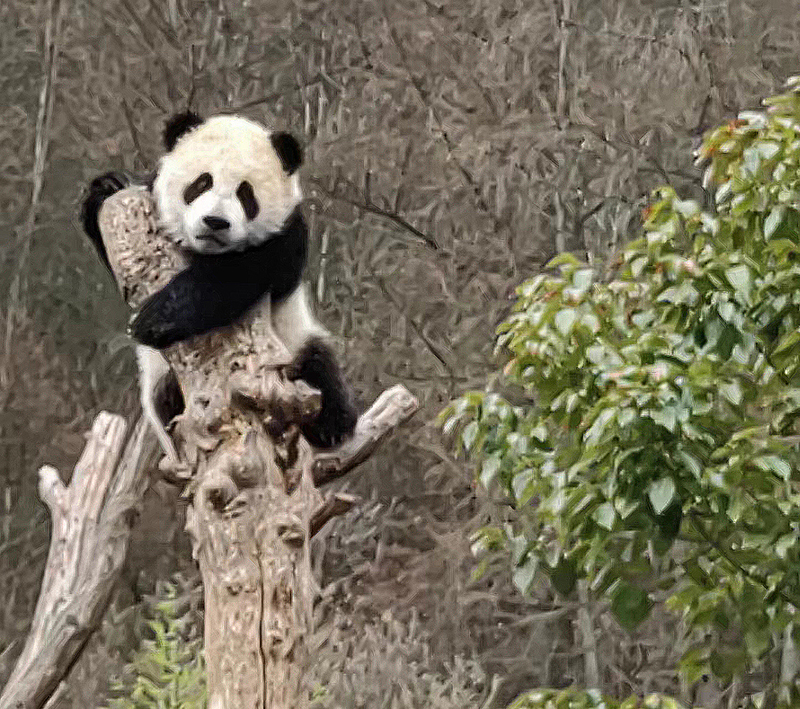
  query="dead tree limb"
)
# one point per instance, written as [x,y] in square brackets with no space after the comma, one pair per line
[91,522]
[252,478]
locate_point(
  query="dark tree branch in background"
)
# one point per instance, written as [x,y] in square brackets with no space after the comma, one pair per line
[434,350]
[650,39]
[91,523]
[368,206]
[425,99]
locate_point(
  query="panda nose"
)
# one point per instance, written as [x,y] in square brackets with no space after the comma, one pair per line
[216,223]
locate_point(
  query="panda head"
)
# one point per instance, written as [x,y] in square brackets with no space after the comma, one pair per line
[225,183]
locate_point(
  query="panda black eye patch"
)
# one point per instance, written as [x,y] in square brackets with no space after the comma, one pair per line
[248,199]
[195,189]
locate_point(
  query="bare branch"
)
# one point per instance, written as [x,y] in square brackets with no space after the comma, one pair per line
[368,206]
[334,506]
[391,408]
[434,350]
[92,518]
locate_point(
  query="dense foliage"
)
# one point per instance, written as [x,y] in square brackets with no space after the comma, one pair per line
[653,448]
[575,699]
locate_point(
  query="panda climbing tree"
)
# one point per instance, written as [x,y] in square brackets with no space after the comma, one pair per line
[228,196]
[239,383]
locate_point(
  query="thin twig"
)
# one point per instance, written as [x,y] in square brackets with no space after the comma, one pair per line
[424,98]
[52,36]
[650,39]
[434,350]
[429,241]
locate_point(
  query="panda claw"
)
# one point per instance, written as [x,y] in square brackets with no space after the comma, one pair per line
[334,425]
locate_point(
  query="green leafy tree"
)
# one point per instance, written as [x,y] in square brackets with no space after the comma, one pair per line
[650,446]
[167,671]
[576,699]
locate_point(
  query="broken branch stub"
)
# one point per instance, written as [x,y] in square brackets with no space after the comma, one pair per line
[91,521]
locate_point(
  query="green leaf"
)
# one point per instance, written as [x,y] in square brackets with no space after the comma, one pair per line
[605,515]
[777,465]
[564,320]
[582,278]
[665,417]
[630,605]
[489,470]
[739,277]
[773,220]
[525,573]
[732,391]
[564,577]
[661,493]
[469,434]
[563,259]
[691,463]
[790,340]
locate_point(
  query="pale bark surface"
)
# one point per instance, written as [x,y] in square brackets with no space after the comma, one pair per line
[91,521]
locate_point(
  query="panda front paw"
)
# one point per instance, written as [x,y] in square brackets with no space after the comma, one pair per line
[99,190]
[335,423]
[316,365]
[150,332]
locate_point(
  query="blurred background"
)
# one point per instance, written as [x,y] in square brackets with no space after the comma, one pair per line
[452,148]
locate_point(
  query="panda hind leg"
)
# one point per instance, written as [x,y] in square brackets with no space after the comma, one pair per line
[315,363]
[160,395]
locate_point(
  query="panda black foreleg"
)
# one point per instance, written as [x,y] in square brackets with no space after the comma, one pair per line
[99,190]
[316,365]
[195,301]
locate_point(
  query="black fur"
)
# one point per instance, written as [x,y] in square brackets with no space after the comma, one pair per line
[217,289]
[100,189]
[316,365]
[169,401]
[178,125]
[288,150]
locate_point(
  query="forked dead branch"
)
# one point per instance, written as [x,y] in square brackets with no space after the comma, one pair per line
[252,478]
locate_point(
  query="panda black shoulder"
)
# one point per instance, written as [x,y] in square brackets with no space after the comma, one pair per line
[215,290]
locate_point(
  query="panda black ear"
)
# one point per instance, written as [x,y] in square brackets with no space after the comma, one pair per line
[289,151]
[179,124]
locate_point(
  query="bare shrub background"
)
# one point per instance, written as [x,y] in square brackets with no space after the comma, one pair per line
[502,132]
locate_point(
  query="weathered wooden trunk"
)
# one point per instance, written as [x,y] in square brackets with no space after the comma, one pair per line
[249,472]
[253,484]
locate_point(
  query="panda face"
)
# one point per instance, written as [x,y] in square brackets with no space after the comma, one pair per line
[224,186]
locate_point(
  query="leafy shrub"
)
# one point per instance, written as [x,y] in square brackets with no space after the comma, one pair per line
[167,672]
[651,444]
[575,699]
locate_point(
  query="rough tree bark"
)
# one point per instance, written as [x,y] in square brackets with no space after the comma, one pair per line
[253,482]
[91,521]
[252,477]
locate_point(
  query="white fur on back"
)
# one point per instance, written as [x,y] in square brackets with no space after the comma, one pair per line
[231,149]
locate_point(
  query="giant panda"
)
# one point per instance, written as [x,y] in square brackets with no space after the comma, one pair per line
[228,196]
